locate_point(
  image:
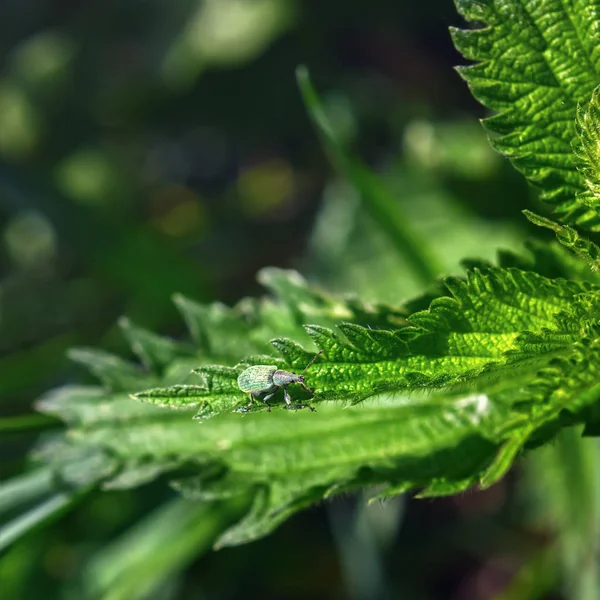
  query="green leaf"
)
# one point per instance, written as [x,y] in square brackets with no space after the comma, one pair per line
[219,331]
[229,335]
[88,405]
[296,458]
[116,374]
[505,457]
[305,303]
[154,351]
[211,398]
[568,385]
[460,338]
[535,62]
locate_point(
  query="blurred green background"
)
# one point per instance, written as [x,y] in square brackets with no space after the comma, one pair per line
[151,147]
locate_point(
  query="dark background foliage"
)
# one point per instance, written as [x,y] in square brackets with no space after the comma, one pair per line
[152,147]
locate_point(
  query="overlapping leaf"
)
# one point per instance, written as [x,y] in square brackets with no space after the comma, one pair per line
[461,337]
[535,63]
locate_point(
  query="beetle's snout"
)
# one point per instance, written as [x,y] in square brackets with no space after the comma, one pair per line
[300,378]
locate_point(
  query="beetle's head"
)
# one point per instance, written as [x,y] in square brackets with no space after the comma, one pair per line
[296,378]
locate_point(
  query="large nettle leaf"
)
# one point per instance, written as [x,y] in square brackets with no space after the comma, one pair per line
[504,349]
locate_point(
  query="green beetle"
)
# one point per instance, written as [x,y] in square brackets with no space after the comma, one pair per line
[266,379]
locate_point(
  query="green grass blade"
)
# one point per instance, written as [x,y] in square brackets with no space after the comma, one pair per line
[25,488]
[157,548]
[381,205]
[25,423]
[37,516]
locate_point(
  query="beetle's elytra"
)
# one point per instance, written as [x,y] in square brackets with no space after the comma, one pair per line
[267,379]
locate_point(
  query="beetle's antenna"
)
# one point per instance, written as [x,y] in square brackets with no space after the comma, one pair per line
[312,361]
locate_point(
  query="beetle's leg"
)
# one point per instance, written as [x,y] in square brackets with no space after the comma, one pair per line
[267,397]
[253,398]
[290,406]
[244,409]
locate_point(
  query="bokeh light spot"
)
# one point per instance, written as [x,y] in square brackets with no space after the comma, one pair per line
[265,186]
[43,59]
[178,212]
[30,239]
[20,122]
[88,176]
[460,148]
[224,32]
